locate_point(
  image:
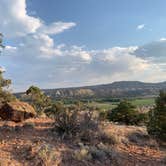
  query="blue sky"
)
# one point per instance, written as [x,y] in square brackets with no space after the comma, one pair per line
[60,43]
[105,23]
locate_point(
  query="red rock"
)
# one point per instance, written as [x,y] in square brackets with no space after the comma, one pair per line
[17,111]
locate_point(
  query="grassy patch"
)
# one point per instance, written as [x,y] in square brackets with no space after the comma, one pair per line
[143,102]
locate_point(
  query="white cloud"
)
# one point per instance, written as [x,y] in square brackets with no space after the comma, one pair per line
[37,59]
[56,27]
[163,39]
[74,66]
[141,26]
[16,22]
[14,19]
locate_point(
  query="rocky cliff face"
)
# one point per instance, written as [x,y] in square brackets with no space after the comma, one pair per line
[116,89]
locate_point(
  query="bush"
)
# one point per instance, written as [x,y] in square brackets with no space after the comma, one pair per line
[108,138]
[5,95]
[157,118]
[142,119]
[125,113]
[82,154]
[44,155]
[97,154]
[89,127]
[71,122]
[66,121]
[103,115]
[54,109]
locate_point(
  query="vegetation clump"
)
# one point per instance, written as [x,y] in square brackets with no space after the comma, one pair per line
[5,95]
[71,122]
[157,118]
[66,121]
[126,113]
[38,99]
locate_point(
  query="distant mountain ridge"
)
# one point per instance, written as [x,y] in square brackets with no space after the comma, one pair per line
[114,90]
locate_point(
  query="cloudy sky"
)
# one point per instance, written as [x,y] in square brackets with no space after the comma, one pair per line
[63,43]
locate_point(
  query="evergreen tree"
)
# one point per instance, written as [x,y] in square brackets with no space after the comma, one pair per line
[125,113]
[38,99]
[157,122]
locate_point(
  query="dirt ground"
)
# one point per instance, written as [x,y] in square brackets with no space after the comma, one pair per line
[32,144]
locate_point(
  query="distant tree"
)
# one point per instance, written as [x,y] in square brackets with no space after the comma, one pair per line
[38,99]
[125,113]
[157,122]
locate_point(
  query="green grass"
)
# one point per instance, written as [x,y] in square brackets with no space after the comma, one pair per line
[102,106]
[143,102]
[110,105]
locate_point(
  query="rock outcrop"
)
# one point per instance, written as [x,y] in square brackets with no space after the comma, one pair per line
[16,111]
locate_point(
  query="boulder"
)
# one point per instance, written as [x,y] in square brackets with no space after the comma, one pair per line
[16,111]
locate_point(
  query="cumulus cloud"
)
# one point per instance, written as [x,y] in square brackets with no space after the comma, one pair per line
[74,66]
[14,19]
[16,22]
[37,59]
[141,26]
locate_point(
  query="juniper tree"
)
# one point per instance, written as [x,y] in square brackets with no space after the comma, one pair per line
[157,116]
[38,99]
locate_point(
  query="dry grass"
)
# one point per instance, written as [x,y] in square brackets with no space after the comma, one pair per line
[37,145]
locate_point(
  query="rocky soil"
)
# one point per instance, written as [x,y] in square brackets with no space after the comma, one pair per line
[32,143]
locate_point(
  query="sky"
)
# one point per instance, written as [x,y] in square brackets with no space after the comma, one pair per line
[60,43]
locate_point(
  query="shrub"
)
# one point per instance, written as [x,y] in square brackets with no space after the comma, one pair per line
[97,154]
[125,113]
[89,127]
[66,121]
[139,138]
[5,95]
[45,155]
[142,119]
[54,109]
[82,154]
[157,118]
[108,138]
[103,115]
[71,122]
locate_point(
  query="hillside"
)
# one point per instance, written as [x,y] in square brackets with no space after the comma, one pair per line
[32,145]
[113,90]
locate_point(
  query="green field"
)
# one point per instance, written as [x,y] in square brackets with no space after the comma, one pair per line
[110,105]
[102,106]
[143,102]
